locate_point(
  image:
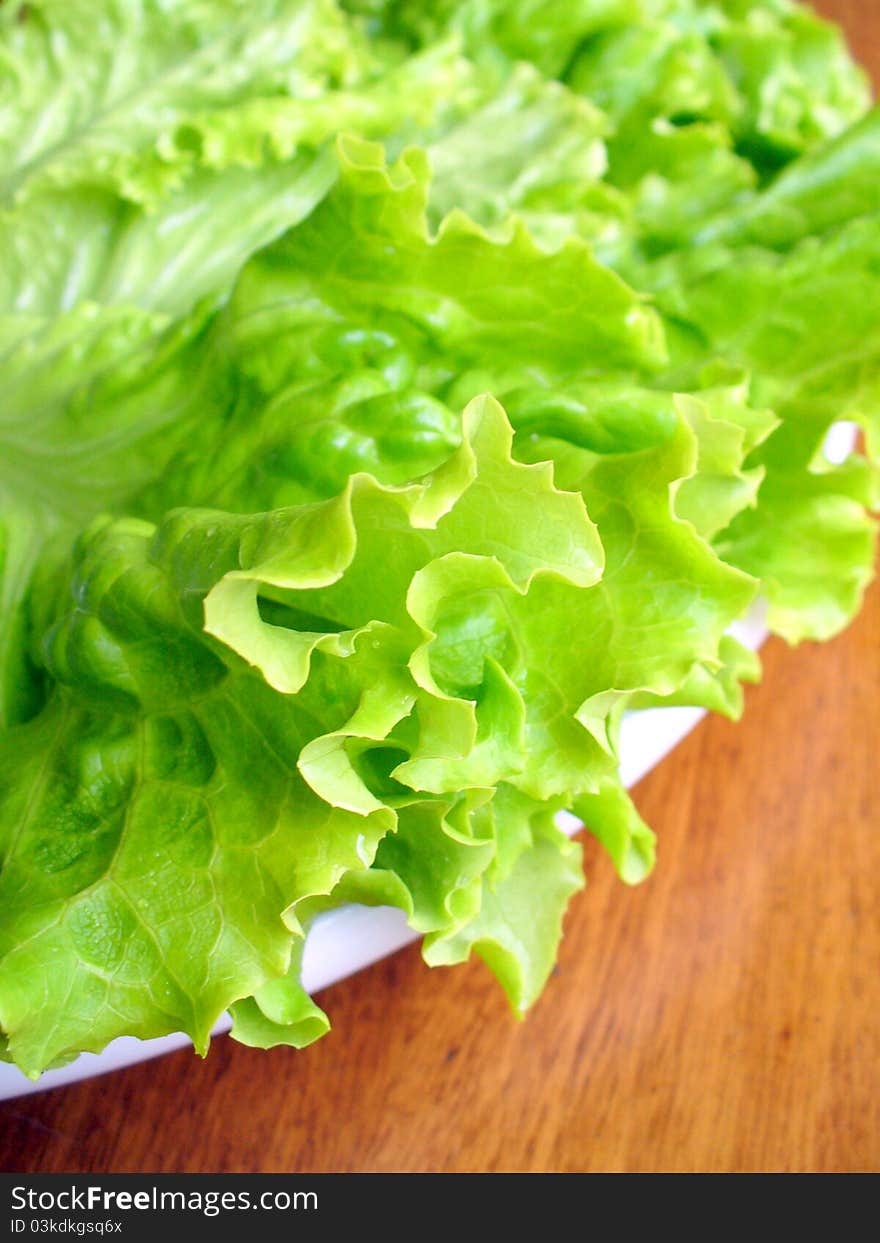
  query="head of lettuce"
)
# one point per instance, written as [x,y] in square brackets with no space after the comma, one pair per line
[393,395]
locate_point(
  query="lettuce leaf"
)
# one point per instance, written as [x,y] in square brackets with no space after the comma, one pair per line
[158,168]
[250,705]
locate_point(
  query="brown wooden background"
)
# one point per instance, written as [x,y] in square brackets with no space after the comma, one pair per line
[724,1016]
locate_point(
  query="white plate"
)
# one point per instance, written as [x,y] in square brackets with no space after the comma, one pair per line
[344,941]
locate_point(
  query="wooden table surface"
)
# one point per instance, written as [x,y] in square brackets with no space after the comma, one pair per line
[723,1016]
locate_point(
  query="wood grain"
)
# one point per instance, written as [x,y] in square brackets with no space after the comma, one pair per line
[724,1016]
[861,21]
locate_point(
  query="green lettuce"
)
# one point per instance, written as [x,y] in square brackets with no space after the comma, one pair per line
[395,396]
[158,146]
